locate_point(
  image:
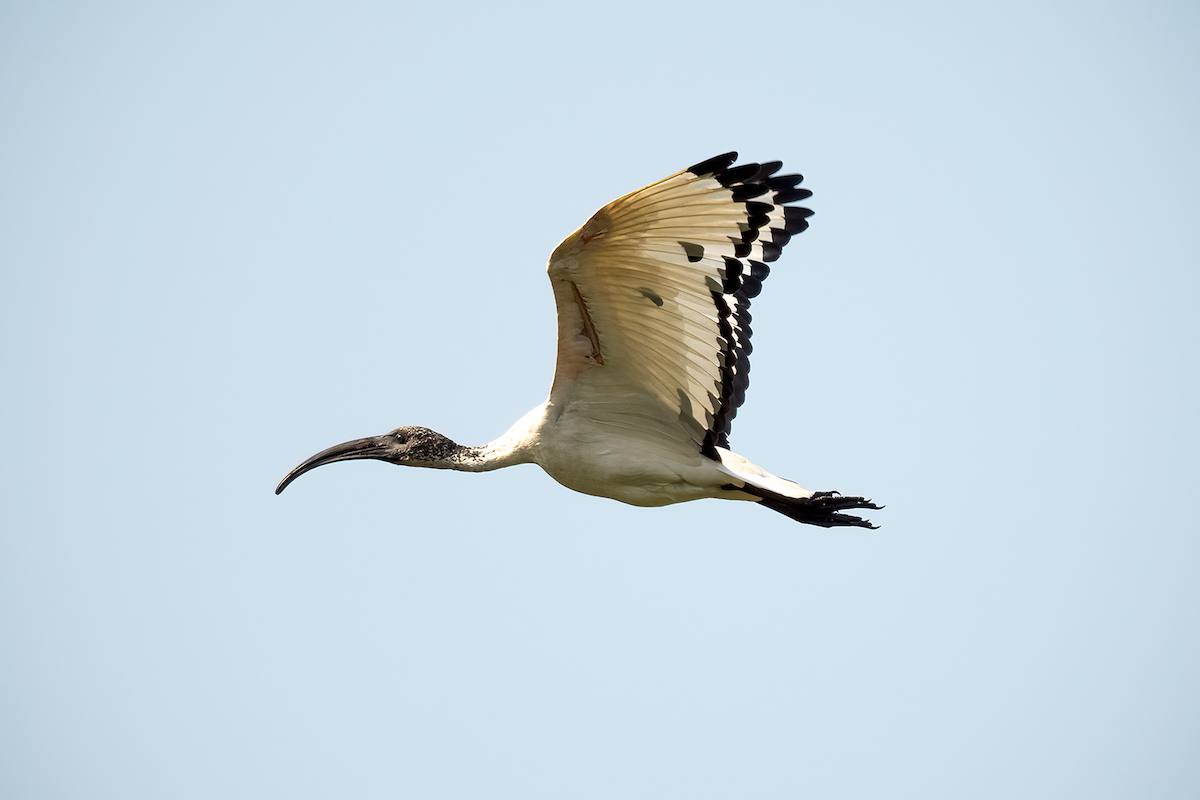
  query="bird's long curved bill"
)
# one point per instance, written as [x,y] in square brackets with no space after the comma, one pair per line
[371,447]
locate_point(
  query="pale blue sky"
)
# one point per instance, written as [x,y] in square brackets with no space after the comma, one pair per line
[233,234]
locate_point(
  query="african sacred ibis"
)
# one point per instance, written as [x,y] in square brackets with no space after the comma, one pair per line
[653,298]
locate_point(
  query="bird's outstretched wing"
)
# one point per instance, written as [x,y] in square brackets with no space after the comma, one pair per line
[653,299]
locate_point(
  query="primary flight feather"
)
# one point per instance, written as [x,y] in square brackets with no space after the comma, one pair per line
[653,297]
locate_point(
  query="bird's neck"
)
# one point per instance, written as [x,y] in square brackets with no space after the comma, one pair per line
[517,446]
[501,453]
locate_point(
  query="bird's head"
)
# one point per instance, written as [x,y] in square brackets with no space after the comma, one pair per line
[409,445]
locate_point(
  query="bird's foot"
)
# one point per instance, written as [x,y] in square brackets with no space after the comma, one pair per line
[821,508]
[826,505]
[835,501]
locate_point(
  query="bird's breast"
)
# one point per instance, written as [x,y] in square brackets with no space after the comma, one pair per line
[588,458]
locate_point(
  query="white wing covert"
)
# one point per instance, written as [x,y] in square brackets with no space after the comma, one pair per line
[653,296]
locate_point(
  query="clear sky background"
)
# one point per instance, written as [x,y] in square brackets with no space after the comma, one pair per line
[233,234]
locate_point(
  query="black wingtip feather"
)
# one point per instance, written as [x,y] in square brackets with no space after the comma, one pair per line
[792,195]
[781,182]
[795,220]
[769,169]
[714,164]
[733,267]
[738,174]
[764,195]
[749,191]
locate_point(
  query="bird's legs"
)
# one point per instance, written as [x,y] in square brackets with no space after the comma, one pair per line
[821,509]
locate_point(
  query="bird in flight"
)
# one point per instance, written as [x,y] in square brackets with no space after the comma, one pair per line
[653,297]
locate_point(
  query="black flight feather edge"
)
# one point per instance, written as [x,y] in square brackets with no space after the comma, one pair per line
[760,191]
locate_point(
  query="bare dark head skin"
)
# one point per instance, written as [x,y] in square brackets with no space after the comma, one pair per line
[409,445]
